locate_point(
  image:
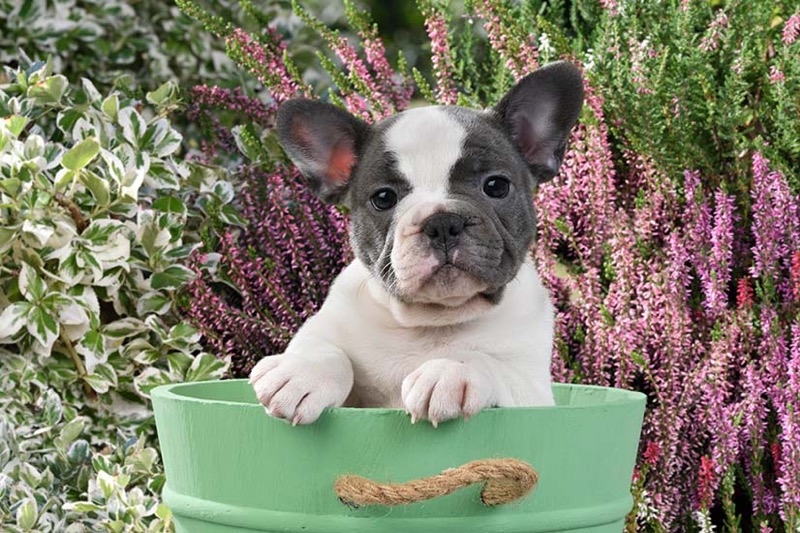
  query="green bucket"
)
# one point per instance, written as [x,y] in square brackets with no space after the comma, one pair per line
[230,467]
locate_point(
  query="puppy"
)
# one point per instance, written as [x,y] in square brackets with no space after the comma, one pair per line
[442,312]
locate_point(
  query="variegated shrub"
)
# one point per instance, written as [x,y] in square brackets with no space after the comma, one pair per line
[97,215]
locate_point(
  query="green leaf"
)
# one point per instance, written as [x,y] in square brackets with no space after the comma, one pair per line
[81,154]
[31,285]
[153,302]
[16,124]
[99,383]
[92,94]
[69,432]
[133,125]
[172,277]
[170,204]
[85,507]
[79,452]
[162,94]
[205,366]
[50,91]
[229,215]
[163,512]
[110,106]
[124,327]
[98,186]
[43,327]
[13,318]
[106,483]
[27,514]
[224,191]
[10,186]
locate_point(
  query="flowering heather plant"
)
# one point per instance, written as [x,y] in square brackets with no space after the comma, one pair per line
[670,241]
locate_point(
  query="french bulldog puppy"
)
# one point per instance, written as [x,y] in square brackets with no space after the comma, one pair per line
[442,312]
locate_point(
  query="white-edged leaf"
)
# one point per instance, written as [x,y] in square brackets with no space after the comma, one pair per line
[133,125]
[31,285]
[153,302]
[172,277]
[110,106]
[98,186]
[81,154]
[204,367]
[13,319]
[91,91]
[27,514]
[43,327]
[38,230]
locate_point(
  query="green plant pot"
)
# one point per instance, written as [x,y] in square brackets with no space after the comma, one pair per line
[230,467]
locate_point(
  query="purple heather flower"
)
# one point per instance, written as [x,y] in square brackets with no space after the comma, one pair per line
[776,75]
[441,57]
[520,52]
[266,62]
[792,29]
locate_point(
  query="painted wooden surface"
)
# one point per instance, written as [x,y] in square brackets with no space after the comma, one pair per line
[230,467]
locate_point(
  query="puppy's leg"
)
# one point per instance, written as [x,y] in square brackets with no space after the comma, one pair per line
[442,389]
[298,384]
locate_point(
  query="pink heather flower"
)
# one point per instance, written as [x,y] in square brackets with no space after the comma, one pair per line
[710,41]
[775,219]
[234,100]
[396,86]
[705,482]
[652,453]
[792,29]
[266,62]
[795,275]
[776,76]
[611,6]
[380,104]
[441,57]
[787,458]
[519,51]
[744,294]
[715,279]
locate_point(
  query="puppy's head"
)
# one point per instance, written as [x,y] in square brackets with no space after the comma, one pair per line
[441,198]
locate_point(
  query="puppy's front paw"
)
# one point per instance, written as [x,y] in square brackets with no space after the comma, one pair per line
[296,389]
[441,389]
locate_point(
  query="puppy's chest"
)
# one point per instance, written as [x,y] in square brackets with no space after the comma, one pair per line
[381,360]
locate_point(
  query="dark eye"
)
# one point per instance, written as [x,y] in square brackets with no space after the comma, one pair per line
[384,199]
[496,187]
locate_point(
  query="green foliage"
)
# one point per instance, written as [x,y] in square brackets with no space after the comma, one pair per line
[116,42]
[98,215]
[692,86]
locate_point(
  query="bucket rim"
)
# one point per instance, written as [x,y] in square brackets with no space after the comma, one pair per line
[181,392]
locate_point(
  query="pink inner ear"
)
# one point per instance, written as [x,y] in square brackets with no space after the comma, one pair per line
[340,163]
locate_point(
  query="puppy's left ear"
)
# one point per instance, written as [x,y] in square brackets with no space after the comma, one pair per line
[538,114]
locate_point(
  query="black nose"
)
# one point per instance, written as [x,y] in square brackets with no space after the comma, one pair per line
[443,228]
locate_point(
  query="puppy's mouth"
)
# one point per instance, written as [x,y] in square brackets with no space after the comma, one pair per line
[448,282]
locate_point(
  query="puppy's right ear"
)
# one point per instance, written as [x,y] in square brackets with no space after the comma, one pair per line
[324,142]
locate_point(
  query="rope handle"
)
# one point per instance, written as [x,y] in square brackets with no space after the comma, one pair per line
[505,480]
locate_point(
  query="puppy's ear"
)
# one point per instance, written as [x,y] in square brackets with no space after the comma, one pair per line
[538,114]
[324,142]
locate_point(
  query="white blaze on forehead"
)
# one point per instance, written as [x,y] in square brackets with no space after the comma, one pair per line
[426,142]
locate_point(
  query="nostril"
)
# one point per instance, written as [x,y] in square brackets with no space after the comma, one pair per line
[456,226]
[442,226]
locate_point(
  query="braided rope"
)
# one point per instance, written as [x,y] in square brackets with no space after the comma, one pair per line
[506,480]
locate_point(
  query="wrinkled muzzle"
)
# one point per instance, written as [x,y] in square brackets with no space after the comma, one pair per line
[444,253]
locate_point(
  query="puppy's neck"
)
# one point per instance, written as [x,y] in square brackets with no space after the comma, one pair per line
[426,315]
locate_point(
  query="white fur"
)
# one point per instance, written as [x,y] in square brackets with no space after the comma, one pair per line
[435,362]
[426,142]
